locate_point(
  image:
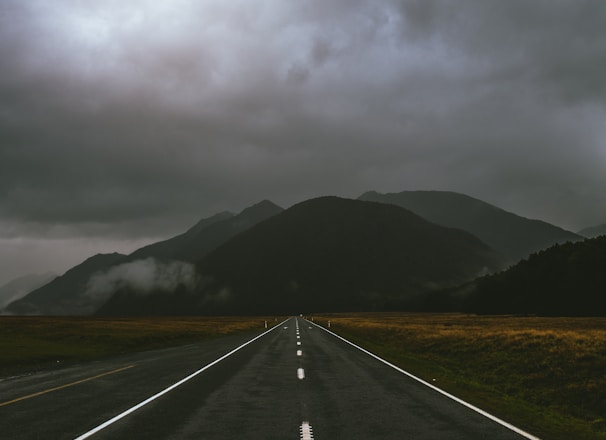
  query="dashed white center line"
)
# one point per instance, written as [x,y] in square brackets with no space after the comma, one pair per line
[305,429]
[306,432]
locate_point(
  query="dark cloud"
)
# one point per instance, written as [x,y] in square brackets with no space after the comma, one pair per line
[124,122]
[558,47]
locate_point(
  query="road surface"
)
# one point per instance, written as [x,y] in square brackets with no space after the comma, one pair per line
[297,381]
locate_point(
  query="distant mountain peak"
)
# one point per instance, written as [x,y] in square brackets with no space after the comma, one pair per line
[510,234]
[21,286]
[593,231]
[263,205]
[205,222]
[264,202]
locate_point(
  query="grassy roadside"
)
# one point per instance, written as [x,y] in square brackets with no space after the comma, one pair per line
[31,343]
[545,375]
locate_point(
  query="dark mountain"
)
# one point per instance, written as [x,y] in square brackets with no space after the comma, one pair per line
[19,287]
[514,236]
[594,231]
[325,254]
[56,297]
[207,234]
[69,294]
[179,247]
[565,280]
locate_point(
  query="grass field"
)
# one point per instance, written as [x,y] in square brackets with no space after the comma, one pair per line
[545,375]
[31,343]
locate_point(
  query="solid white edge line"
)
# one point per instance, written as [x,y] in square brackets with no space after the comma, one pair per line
[170,388]
[433,387]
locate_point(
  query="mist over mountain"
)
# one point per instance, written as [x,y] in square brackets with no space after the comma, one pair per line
[162,266]
[325,254]
[593,231]
[64,295]
[512,235]
[19,287]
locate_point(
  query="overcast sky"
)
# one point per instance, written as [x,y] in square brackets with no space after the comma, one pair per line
[123,122]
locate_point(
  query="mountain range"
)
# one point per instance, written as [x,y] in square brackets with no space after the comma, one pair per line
[325,254]
[207,234]
[380,252]
[594,231]
[62,296]
[564,280]
[69,294]
[567,279]
[19,287]
[513,236]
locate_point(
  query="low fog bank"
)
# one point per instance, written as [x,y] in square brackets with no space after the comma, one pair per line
[143,277]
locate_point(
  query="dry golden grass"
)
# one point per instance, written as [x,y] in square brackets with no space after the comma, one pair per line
[546,374]
[28,343]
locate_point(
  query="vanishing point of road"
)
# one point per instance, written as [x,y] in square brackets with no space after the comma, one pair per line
[296,380]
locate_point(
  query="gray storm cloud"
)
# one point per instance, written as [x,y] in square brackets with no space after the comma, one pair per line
[143,277]
[131,120]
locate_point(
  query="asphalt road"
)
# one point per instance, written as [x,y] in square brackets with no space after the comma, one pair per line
[295,382]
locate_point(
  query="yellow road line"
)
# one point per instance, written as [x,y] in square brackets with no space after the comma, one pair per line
[50,390]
